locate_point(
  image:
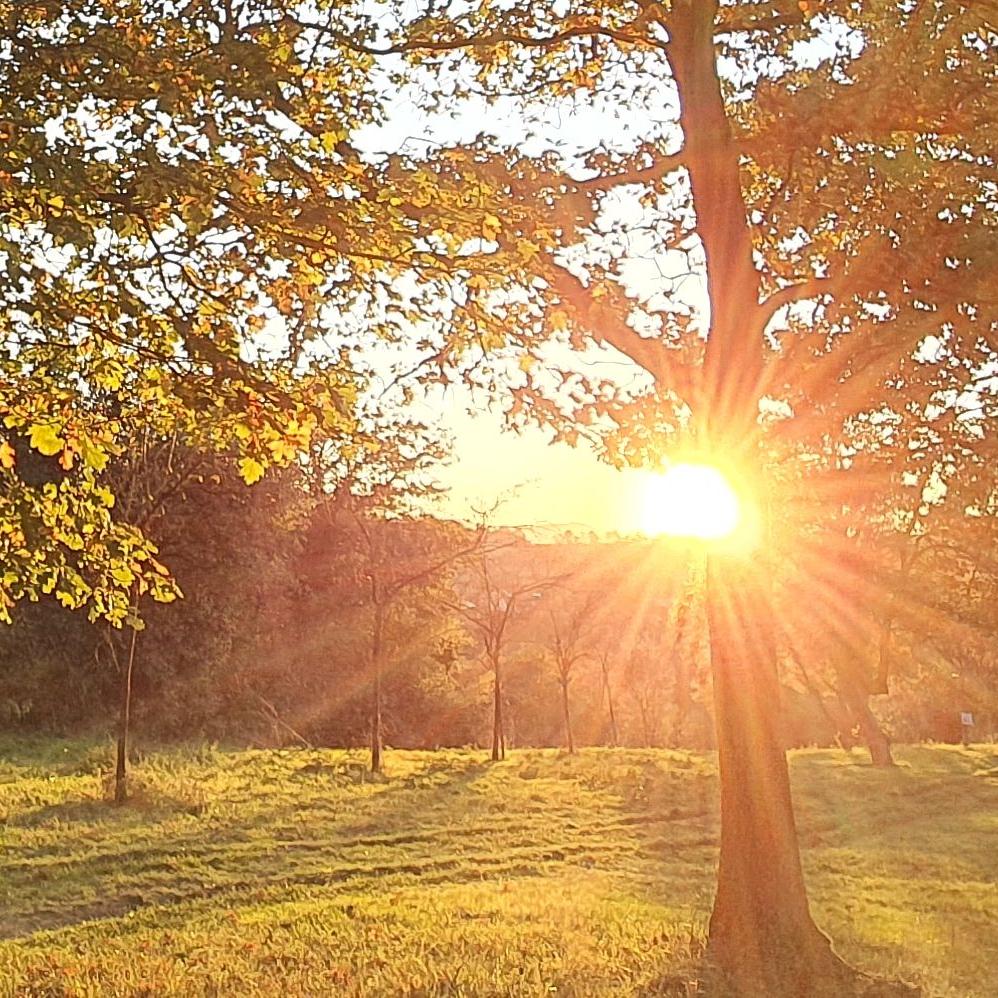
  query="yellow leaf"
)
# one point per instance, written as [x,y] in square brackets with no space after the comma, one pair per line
[491,227]
[282,450]
[105,495]
[559,320]
[527,249]
[251,470]
[7,455]
[93,454]
[331,139]
[66,459]
[208,306]
[45,439]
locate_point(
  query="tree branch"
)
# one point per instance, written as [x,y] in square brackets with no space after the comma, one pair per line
[607,326]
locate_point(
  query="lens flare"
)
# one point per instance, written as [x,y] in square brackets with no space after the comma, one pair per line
[690,500]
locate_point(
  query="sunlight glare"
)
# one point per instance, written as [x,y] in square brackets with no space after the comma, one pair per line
[690,500]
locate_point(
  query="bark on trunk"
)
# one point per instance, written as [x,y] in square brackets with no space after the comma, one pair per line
[761,927]
[567,715]
[614,735]
[856,701]
[124,721]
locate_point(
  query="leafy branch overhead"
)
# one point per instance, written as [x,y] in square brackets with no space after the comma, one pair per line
[193,245]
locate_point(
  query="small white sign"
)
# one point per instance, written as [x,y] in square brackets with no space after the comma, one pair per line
[966,719]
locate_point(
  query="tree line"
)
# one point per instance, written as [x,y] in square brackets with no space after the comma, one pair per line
[309,617]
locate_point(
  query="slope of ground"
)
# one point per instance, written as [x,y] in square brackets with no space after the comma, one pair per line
[290,873]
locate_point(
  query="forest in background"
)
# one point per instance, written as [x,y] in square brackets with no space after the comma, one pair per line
[271,643]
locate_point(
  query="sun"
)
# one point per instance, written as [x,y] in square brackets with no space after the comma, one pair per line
[690,500]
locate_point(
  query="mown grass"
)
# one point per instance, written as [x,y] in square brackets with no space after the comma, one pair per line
[293,873]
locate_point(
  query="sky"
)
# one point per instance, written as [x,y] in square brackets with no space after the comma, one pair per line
[535,482]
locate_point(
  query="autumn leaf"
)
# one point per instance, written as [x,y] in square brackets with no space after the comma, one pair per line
[251,470]
[94,455]
[558,320]
[527,250]
[45,439]
[7,455]
[491,227]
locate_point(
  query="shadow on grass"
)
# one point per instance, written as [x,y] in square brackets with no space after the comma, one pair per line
[239,856]
[438,819]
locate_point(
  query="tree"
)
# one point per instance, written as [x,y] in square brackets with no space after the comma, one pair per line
[376,563]
[195,242]
[230,549]
[570,616]
[489,608]
[836,222]
[646,685]
[605,656]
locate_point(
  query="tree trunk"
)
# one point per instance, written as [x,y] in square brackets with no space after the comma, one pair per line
[376,726]
[681,656]
[683,699]
[567,715]
[124,720]
[377,636]
[498,742]
[614,734]
[645,709]
[856,701]
[761,931]
[761,928]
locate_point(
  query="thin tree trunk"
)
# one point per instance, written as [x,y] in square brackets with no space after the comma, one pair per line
[377,637]
[567,714]
[498,742]
[682,698]
[124,719]
[645,709]
[681,661]
[614,735]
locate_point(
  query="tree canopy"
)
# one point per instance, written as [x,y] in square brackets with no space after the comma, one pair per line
[194,243]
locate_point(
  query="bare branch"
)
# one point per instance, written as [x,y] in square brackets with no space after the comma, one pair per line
[813,287]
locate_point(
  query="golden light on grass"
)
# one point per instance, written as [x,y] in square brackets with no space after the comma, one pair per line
[690,500]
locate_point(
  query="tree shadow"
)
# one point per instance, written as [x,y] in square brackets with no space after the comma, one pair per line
[244,859]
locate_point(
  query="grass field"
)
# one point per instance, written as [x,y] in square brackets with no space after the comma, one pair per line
[290,873]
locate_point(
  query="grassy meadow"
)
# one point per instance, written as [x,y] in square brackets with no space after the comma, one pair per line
[293,873]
